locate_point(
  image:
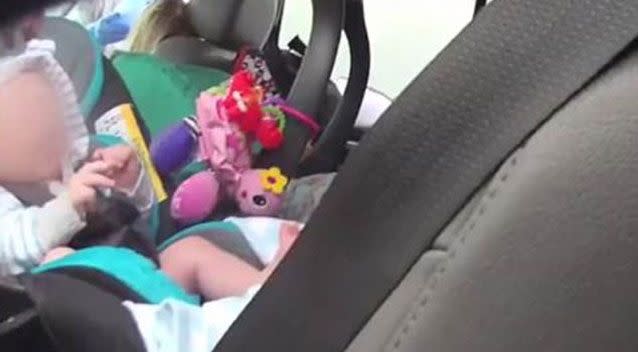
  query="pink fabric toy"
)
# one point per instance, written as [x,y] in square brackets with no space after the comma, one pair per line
[253,194]
[196,198]
[226,150]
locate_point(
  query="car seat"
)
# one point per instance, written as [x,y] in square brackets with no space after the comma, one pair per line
[223,28]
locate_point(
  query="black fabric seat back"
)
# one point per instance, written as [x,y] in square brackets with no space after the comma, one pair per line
[57,313]
[20,327]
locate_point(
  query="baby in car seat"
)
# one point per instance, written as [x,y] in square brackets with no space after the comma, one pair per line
[45,197]
[161,19]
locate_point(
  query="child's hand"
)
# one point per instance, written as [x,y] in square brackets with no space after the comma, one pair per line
[83,185]
[124,165]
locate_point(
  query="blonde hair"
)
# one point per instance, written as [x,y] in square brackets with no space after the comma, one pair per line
[162,19]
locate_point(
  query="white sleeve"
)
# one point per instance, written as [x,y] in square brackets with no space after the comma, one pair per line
[174,326]
[28,233]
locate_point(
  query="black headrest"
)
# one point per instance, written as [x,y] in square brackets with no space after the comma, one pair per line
[232,23]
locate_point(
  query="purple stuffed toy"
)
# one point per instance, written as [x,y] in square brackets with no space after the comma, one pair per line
[196,198]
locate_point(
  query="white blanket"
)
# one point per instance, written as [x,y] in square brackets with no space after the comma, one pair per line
[174,326]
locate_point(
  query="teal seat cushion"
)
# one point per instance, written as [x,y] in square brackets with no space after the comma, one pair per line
[129,268]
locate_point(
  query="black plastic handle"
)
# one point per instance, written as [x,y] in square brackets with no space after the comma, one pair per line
[308,90]
[330,150]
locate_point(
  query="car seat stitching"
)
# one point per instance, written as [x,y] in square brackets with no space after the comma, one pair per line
[431,284]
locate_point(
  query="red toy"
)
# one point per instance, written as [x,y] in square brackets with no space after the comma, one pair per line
[244,105]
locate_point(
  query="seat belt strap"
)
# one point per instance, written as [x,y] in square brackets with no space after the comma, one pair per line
[329,151]
[498,81]
[479,5]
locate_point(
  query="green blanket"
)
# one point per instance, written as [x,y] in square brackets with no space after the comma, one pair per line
[164,92]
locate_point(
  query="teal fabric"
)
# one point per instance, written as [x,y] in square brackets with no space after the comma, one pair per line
[107,140]
[128,267]
[225,226]
[155,221]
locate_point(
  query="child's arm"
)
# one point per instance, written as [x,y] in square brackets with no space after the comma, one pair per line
[28,233]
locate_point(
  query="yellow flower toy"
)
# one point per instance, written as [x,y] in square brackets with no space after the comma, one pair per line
[273,180]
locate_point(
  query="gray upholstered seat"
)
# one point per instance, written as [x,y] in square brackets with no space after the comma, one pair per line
[544,258]
[223,27]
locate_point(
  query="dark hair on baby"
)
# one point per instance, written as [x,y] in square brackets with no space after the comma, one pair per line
[116,222]
[14,10]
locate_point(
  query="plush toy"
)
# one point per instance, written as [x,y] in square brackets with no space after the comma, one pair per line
[244,105]
[226,150]
[231,122]
[260,191]
[224,146]
[196,198]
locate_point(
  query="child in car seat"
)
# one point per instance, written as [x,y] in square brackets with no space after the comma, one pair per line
[44,201]
[160,20]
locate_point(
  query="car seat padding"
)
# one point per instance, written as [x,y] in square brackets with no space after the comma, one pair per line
[177,87]
[226,235]
[68,309]
[133,270]
[192,51]
[104,282]
[232,24]
[80,56]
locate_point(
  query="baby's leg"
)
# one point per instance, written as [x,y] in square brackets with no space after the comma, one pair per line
[203,268]
[57,253]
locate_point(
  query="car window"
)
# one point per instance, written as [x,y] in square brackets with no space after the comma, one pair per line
[405,35]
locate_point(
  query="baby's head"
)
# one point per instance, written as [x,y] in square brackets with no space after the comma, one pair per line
[35,138]
[162,19]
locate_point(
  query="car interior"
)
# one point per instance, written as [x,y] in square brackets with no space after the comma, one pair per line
[492,207]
